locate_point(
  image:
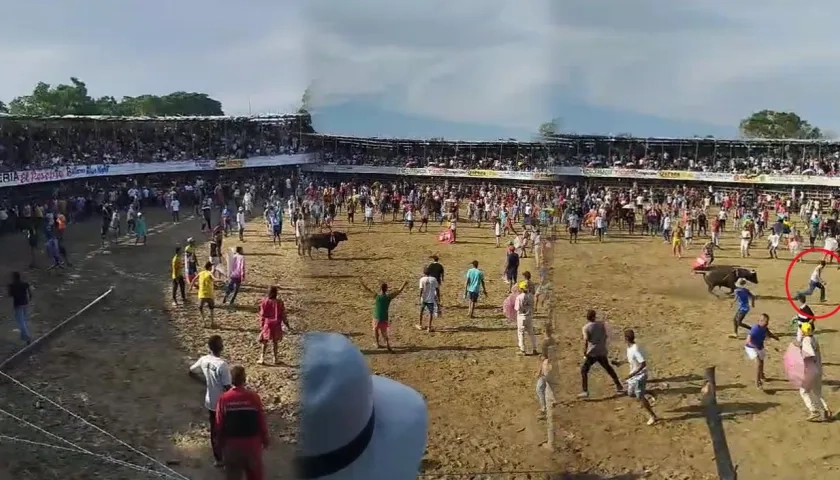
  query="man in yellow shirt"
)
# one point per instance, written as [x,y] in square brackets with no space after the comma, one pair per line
[206,290]
[178,280]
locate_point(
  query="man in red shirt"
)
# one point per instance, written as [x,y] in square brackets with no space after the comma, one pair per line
[243,433]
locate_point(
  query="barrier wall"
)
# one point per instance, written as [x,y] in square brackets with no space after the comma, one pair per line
[27,177]
[309,164]
[556,172]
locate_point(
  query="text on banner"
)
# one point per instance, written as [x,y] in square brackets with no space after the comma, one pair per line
[482,173]
[676,175]
[9,178]
[38,176]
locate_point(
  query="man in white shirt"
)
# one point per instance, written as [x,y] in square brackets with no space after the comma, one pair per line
[240,223]
[300,226]
[574,227]
[369,215]
[637,378]
[524,306]
[599,227]
[666,228]
[175,207]
[429,297]
[830,245]
[215,373]
[773,245]
[815,282]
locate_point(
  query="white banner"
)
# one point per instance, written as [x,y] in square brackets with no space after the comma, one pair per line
[557,172]
[26,177]
[430,172]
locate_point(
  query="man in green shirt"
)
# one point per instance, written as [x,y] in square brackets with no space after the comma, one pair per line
[381,305]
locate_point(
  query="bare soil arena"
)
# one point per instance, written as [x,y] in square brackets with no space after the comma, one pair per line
[122,365]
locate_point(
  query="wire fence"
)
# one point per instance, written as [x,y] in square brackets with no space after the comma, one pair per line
[154,467]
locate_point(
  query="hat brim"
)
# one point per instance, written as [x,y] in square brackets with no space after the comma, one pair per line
[399,435]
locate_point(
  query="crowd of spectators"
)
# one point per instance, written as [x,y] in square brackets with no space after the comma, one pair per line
[27,144]
[817,158]
[456,155]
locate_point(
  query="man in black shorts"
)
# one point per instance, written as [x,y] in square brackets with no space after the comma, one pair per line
[436,272]
[574,227]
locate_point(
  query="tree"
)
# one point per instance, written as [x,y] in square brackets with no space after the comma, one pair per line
[3,108]
[773,124]
[549,129]
[74,99]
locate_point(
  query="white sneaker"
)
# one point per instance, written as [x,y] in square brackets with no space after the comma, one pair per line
[651,420]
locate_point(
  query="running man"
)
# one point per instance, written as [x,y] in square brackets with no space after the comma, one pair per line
[755,346]
[745,300]
[206,293]
[381,306]
[815,282]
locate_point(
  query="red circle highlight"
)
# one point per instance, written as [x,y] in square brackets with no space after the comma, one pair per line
[787,282]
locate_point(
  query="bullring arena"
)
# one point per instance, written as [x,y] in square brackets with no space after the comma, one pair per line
[122,365]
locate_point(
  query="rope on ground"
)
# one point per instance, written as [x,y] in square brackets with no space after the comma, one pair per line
[73,447]
[72,450]
[23,351]
[96,427]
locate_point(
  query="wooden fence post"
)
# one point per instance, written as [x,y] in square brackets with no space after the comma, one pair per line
[545,266]
[723,459]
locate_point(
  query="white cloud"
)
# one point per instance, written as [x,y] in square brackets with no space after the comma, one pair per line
[742,57]
[499,62]
[232,52]
[478,61]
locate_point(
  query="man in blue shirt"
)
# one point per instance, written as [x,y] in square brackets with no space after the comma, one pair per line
[745,300]
[473,285]
[755,346]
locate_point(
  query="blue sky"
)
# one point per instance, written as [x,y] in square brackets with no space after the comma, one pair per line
[465,69]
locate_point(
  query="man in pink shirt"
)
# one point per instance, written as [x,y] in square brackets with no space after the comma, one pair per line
[236,276]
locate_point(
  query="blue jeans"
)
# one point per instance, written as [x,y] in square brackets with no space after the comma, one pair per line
[232,289]
[814,286]
[543,390]
[22,318]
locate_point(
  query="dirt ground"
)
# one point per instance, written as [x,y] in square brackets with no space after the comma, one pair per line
[123,364]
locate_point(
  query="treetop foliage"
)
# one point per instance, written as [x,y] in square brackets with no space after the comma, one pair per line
[74,99]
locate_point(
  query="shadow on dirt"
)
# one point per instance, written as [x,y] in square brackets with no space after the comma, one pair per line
[690,390]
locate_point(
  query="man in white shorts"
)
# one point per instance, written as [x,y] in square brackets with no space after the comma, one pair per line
[637,379]
[830,245]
